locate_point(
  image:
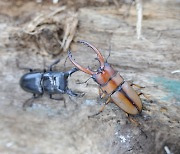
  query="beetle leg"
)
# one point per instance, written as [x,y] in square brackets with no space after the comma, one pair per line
[29,102]
[71,93]
[54,63]
[60,91]
[131,119]
[147,97]
[108,54]
[27,68]
[23,68]
[101,93]
[136,85]
[51,97]
[73,70]
[61,98]
[102,108]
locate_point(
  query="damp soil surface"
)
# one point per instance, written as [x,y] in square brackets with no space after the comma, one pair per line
[34,35]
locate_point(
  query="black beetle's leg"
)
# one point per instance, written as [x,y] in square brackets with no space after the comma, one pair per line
[54,63]
[23,68]
[102,108]
[72,100]
[73,70]
[29,102]
[27,68]
[60,91]
[71,93]
[51,97]
[61,98]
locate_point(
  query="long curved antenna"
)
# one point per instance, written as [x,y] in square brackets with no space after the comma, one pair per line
[86,70]
[65,63]
[108,54]
[54,63]
[99,55]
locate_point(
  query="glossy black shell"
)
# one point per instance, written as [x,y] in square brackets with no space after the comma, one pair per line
[48,82]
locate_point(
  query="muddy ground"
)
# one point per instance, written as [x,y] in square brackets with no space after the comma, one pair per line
[36,34]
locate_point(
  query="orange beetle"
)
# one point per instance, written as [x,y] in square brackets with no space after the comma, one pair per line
[112,84]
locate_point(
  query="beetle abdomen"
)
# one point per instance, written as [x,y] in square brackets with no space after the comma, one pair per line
[122,94]
[127,99]
[31,82]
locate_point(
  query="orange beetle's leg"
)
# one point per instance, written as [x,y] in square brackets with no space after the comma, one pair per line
[102,108]
[146,96]
[136,85]
[131,119]
[78,82]
[101,93]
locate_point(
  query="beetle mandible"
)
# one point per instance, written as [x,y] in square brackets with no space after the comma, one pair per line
[111,83]
[50,82]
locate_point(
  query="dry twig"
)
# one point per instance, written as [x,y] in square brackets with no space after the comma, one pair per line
[139,19]
[54,31]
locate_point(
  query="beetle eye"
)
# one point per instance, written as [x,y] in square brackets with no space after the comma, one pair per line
[102,69]
[99,70]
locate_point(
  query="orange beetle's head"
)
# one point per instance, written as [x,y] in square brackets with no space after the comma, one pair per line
[103,73]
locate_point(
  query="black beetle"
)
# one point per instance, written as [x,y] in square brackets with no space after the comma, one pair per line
[50,82]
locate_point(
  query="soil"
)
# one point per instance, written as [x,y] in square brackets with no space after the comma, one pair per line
[34,35]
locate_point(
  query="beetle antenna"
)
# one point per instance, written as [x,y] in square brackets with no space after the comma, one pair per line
[65,62]
[109,53]
[97,59]
[54,63]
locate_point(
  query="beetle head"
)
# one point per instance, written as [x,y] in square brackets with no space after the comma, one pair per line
[103,73]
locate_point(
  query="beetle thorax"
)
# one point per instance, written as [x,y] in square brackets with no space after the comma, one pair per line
[104,74]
